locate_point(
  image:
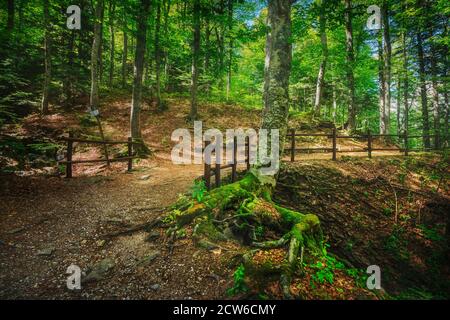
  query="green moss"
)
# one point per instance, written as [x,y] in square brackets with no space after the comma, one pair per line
[207,229]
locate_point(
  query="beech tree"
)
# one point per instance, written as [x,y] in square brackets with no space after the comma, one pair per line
[193,115]
[324,42]
[350,64]
[47,55]
[95,52]
[141,40]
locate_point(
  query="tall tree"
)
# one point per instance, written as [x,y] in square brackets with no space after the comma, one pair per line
[350,65]
[112,10]
[125,48]
[230,47]
[166,35]
[277,67]
[405,83]
[94,98]
[423,90]
[193,115]
[435,94]
[399,102]
[141,40]
[381,80]
[11,15]
[207,47]
[387,64]
[47,58]
[160,106]
[323,64]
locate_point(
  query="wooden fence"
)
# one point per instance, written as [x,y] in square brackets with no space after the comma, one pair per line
[215,171]
[69,162]
[369,136]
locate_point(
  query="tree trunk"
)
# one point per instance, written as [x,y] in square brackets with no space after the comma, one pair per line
[100,52]
[160,106]
[350,65]
[68,82]
[207,51]
[387,65]
[405,84]
[423,91]
[323,65]
[11,14]
[47,58]
[277,68]
[195,57]
[334,103]
[125,52]
[435,95]
[445,142]
[382,95]
[230,49]
[94,99]
[166,51]
[112,9]
[141,41]
[399,104]
[220,53]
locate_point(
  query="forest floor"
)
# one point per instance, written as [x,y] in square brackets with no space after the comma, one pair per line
[390,211]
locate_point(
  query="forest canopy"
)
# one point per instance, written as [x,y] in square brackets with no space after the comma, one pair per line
[391,80]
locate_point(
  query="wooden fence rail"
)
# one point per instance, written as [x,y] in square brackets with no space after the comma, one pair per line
[69,162]
[369,149]
[215,170]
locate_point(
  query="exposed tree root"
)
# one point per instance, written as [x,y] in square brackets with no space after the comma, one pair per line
[244,211]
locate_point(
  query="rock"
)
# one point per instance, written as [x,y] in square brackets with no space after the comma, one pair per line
[145,177]
[101,243]
[208,245]
[155,287]
[228,233]
[99,271]
[149,258]
[46,251]
[152,236]
[16,230]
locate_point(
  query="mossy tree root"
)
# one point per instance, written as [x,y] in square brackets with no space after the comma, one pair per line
[247,204]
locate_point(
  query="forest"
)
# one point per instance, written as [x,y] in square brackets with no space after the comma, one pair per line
[356,89]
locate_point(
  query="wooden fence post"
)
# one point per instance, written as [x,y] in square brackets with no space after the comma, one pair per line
[69,156]
[247,152]
[217,174]
[207,174]
[130,154]
[369,143]
[292,145]
[334,145]
[405,137]
[234,167]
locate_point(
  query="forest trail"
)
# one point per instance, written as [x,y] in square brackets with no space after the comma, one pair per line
[49,223]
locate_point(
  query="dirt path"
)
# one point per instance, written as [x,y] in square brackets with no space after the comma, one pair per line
[47,224]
